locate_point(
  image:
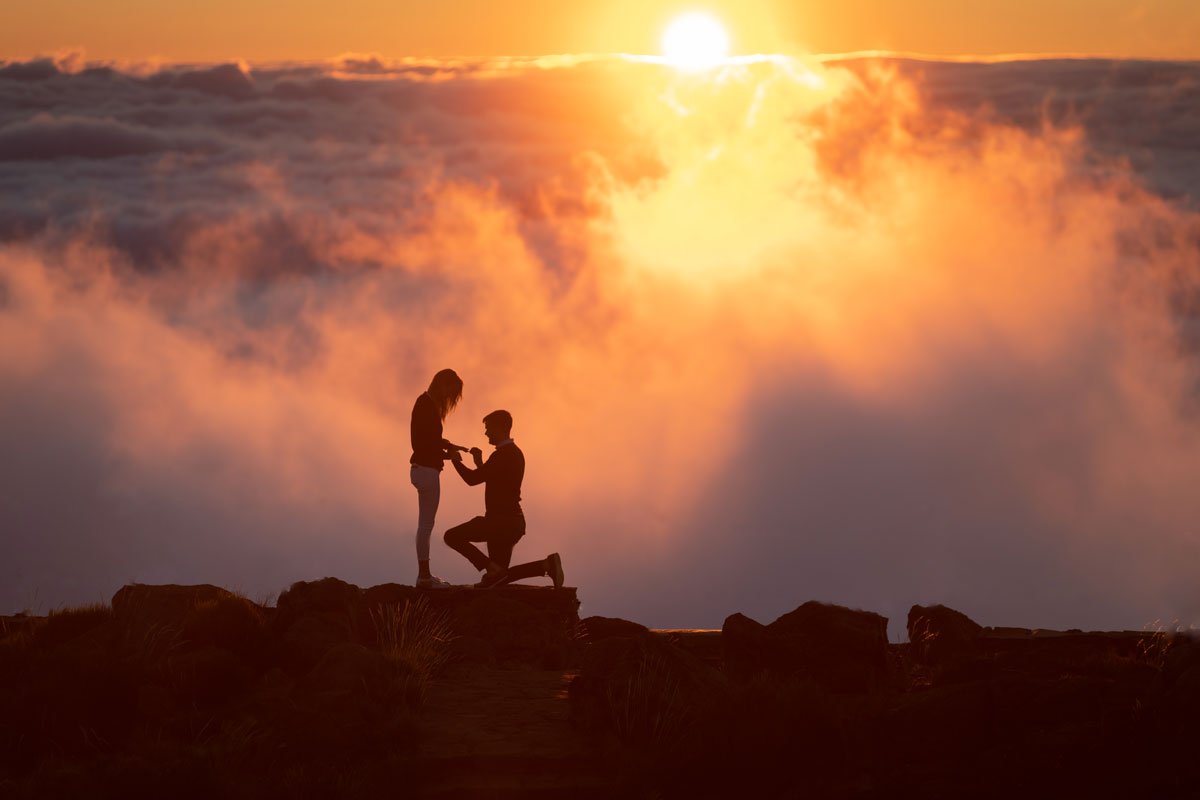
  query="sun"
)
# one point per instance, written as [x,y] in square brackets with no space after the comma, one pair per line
[695,41]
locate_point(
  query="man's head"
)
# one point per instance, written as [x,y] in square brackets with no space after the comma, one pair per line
[497,426]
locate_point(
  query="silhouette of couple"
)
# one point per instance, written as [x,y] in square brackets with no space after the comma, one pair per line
[503,523]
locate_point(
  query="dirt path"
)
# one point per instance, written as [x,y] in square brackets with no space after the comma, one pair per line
[500,733]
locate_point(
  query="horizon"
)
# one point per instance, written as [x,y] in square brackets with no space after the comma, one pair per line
[877,329]
[70,59]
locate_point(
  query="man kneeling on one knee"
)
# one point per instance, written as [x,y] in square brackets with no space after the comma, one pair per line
[503,522]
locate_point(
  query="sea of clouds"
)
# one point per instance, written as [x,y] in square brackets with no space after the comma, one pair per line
[874,331]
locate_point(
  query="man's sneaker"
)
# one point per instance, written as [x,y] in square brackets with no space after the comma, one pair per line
[491,580]
[433,582]
[554,569]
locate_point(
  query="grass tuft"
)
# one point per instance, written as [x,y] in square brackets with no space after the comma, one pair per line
[1157,642]
[65,624]
[413,636]
[647,708]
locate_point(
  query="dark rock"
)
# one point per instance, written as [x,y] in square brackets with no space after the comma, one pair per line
[1050,654]
[1185,693]
[1182,654]
[66,626]
[470,650]
[702,643]
[351,701]
[228,622]
[744,646]
[941,637]
[142,609]
[308,638]
[841,649]
[516,631]
[350,668]
[1181,674]
[209,675]
[533,625]
[329,597]
[394,595]
[313,616]
[598,628]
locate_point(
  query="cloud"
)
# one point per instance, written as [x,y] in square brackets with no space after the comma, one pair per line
[45,137]
[879,332]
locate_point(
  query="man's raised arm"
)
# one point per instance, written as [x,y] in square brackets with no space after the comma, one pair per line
[472,477]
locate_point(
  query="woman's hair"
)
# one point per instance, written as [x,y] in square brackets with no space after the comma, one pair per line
[446,390]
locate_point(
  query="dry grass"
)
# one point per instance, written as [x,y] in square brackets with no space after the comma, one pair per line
[1157,642]
[149,644]
[648,708]
[414,637]
[63,625]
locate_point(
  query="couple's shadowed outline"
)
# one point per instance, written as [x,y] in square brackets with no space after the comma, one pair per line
[503,522]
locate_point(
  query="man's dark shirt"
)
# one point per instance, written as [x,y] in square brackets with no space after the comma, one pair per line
[426,432]
[503,473]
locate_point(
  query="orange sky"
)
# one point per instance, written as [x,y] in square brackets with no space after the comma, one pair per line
[260,30]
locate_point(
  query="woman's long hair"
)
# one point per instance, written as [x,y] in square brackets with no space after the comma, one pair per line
[445,390]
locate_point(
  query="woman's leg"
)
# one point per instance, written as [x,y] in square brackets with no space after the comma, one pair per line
[429,493]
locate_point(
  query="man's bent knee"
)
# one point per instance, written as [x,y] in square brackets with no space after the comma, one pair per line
[460,534]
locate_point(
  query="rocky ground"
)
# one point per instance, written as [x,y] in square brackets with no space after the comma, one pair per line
[337,691]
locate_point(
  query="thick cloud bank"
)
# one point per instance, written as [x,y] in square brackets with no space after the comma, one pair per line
[872,332]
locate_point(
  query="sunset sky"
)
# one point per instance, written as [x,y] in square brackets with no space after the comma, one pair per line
[298,29]
[874,329]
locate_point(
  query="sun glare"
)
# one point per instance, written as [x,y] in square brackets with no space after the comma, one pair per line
[695,41]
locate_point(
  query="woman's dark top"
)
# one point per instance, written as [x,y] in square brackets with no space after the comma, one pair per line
[426,434]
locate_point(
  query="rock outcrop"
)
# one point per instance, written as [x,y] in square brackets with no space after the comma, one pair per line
[941,637]
[530,625]
[841,649]
[596,629]
[197,691]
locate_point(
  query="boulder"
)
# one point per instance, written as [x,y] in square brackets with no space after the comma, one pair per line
[209,675]
[470,651]
[841,649]
[516,631]
[1180,654]
[149,621]
[140,607]
[350,669]
[941,637]
[329,597]
[1181,674]
[597,628]
[227,622]
[744,646]
[552,613]
[313,616]
[307,640]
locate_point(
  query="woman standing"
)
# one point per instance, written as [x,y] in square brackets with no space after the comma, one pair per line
[429,451]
